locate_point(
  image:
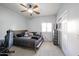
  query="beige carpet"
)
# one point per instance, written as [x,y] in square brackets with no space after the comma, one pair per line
[47,49]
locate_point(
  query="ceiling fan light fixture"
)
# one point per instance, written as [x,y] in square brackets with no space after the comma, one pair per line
[30,10]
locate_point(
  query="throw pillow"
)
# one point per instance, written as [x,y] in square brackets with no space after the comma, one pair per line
[26,34]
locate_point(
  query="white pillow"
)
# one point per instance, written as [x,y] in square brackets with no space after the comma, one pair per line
[31,34]
[26,34]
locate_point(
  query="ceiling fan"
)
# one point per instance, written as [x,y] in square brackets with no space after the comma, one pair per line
[31,8]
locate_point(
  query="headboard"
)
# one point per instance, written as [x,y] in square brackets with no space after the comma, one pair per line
[19,32]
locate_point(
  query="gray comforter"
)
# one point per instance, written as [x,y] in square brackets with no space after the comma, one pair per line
[27,41]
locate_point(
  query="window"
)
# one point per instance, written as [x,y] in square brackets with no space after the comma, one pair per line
[46,27]
[43,27]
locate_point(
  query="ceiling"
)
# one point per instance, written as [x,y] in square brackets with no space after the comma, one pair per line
[45,8]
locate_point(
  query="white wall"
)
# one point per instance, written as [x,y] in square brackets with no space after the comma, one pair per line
[69,38]
[35,25]
[10,20]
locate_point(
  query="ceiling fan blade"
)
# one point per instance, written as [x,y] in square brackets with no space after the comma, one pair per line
[23,10]
[36,6]
[37,12]
[23,5]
